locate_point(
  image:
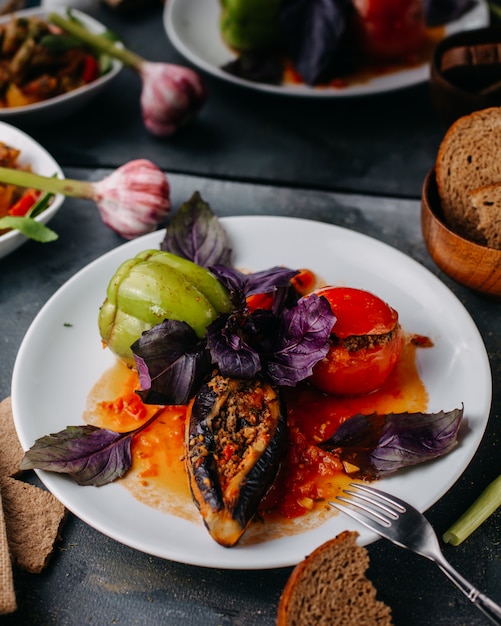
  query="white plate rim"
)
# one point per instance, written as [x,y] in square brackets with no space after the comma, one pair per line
[176,23]
[92,505]
[65,98]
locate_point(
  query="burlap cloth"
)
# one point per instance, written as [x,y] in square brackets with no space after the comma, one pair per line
[30,518]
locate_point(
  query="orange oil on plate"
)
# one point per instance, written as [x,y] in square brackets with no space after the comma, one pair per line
[309,476]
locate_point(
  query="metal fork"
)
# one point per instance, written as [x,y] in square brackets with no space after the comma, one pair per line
[405,526]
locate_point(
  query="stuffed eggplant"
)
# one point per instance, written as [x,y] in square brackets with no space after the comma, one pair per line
[235,436]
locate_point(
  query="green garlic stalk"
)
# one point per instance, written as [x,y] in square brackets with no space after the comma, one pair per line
[133,200]
[171,96]
[484,506]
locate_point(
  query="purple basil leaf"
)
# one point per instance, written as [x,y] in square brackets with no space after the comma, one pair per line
[241,285]
[379,445]
[269,280]
[229,350]
[195,233]
[234,281]
[439,12]
[90,455]
[303,340]
[171,362]
[313,31]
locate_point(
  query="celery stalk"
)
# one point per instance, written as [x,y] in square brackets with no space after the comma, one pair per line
[488,501]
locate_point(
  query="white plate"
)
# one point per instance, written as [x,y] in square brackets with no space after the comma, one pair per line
[193,28]
[61,358]
[54,109]
[42,163]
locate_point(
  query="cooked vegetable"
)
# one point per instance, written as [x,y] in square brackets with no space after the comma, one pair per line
[27,225]
[484,506]
[388,30]
[250,24]
[327,41]
[38,62]
[235,435]
[18,205]
[366,343]
[25,203]
[147,290]
[280,344]
[203,280]
[372,446]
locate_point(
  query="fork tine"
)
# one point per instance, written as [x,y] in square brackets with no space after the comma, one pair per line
[370,507]
[391,511]
[356,516]
[395,502]
[366,510]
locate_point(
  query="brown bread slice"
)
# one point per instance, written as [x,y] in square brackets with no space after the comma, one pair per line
[8,602]
[486,202]
[468,158]
[33,519]
[330,588]
[11,452]
[33,516]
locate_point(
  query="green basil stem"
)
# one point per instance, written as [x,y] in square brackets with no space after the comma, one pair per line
[98,42]
[488,501]
[64,186]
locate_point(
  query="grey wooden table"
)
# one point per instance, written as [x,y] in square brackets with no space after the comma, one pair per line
[357,164]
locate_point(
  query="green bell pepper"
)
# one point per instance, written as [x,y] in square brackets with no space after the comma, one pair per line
[250,25]
[152,287]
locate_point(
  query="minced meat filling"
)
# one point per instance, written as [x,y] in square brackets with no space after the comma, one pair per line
[365,342]
[243,418]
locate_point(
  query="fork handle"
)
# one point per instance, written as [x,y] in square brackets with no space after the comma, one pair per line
[488,607]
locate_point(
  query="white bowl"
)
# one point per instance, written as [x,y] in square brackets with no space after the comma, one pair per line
[40,162]
[54,109]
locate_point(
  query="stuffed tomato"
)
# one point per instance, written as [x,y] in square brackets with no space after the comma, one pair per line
[365,343]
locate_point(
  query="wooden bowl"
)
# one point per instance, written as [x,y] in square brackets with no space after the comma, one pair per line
[458,88]
[475,266]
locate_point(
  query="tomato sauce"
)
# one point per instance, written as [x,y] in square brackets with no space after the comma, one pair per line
[309,476]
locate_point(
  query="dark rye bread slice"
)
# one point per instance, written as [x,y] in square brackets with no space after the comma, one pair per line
[486,202]
[33,516]
[468,158]
[33,519]
[330,588]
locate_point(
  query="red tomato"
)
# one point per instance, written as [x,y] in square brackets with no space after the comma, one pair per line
[389,30]
[361,371]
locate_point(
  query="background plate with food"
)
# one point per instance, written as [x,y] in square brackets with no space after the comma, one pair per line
[94,73]
[193,26]
[33,156]
[62,358]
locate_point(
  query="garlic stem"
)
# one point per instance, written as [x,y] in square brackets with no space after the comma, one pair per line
[98,41]
[65,186]
[483,507]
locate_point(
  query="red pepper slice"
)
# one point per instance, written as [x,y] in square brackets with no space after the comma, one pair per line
[90,70]
[25,202]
